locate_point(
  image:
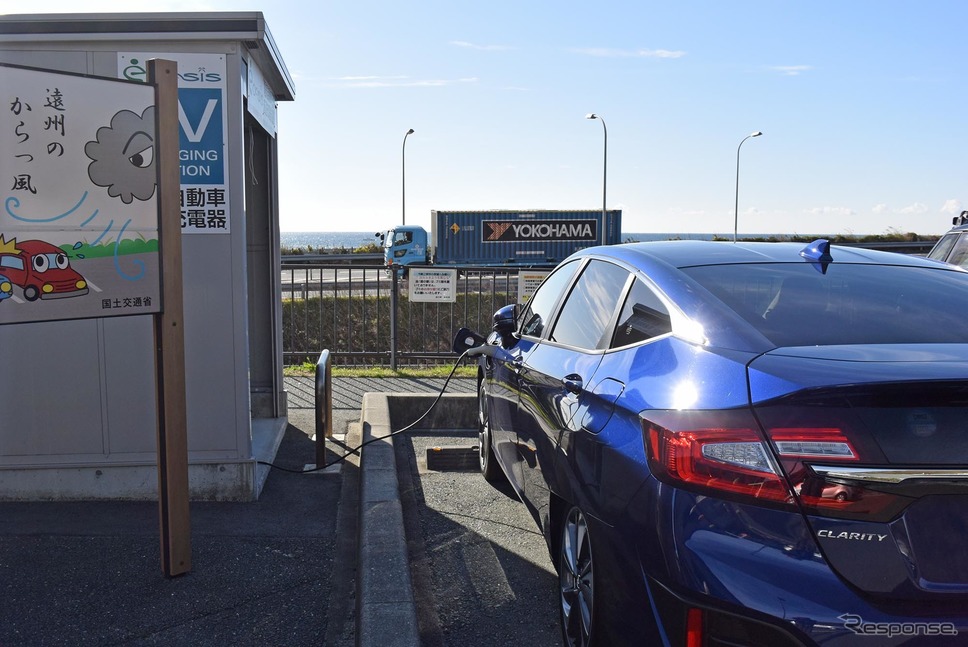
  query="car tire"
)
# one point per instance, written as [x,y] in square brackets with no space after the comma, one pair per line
[485,449]
[576,578]
[31,293]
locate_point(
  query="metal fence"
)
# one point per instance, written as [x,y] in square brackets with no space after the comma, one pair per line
[363,314]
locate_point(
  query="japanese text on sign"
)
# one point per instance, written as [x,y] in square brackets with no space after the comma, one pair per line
[528,282]
[203,147]
[37,133]
[433,285]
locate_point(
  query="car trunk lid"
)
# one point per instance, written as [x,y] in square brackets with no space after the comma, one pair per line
[874,444]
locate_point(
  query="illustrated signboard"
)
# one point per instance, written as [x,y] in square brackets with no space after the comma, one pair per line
[78,197]
[203,133]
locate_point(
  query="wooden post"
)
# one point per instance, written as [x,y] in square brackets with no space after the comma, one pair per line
[173,508]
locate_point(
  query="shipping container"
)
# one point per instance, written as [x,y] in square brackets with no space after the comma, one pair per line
[535,238]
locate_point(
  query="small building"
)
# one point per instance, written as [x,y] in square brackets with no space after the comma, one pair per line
[77,398]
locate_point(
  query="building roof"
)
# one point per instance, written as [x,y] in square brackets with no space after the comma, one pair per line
[247,27]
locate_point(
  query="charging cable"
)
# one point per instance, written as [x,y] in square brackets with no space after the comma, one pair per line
[472,352]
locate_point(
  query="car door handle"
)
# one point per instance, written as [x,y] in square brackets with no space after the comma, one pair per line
[573,383]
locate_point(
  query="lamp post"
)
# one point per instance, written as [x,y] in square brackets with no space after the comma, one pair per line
[736,206]
[592,115]
[403,175]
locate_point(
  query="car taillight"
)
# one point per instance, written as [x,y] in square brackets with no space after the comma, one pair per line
[799,447]
[694,627]
[724,453]
[718,451]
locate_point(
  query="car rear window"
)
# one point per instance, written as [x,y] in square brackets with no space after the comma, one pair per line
[796,305]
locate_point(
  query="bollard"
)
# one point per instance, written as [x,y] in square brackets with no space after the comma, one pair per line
[324,405]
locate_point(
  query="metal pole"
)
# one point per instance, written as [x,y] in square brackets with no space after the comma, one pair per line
[604,179]
[736,205]
[394,289]
[592,115]
[403,175]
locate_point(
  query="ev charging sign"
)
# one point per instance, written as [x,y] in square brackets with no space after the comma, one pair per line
[203,134]
[202,145]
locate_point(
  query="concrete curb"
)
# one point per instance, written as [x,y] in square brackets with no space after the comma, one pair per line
[386,611]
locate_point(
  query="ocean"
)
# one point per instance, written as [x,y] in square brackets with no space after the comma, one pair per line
[353,239]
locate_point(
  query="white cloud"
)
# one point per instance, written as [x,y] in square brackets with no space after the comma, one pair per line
[370,78]
[915,208]
[791,70]
[880,208]
[952,206]
[483,48]
[396,82]
[831,211]
[606,52]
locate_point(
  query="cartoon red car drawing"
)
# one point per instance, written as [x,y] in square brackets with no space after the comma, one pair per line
[42,270]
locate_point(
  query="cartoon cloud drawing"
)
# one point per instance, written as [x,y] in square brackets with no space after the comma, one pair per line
[123,156]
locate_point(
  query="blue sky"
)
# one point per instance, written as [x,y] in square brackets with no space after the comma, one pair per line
[861,105]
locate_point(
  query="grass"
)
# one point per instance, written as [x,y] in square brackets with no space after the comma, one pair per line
[309,369]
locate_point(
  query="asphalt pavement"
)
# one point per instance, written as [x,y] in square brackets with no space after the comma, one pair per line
[277,571]
[481,570]
[89,573]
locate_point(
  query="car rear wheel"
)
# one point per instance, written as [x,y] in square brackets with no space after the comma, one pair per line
[576,580]
[485,450]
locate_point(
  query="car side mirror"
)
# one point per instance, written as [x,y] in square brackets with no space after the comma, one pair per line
[506,320]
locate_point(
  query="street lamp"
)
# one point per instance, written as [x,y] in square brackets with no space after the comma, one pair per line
[592,115]
[403,174]
[736,206]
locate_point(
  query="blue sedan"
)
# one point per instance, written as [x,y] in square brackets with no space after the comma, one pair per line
[740,443]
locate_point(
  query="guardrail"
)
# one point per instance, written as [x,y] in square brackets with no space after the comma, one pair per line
[364,259]
[918,247]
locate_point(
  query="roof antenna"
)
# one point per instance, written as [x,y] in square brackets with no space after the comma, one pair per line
[818,253]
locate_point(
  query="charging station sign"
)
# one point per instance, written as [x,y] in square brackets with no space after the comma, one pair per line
[203,136]
[201,140]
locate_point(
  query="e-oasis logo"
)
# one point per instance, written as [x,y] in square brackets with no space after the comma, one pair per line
[136,71]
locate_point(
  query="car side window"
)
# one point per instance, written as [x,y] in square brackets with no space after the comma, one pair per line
[643,317]
[536,315]
[943,247]
[588,310]
[959,253]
